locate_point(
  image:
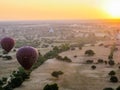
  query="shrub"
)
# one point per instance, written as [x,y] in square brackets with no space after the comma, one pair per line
[100,61]
[0,55]
[108,88]
[89,61]
[111,73]
[56,49]
[21,72]
[50,54]
[51,87]
[1,88]
[5,52]
[67,59]
[16,81]
[114,79]
[110,57]
[93,67]
[7,87]
[58,57]
[14,50]
[118,88]
[80,47]
[7,57]
[56,73]
[75,56]
[111,62]
[1,83]
[89,52]
[4,79]
[105,62]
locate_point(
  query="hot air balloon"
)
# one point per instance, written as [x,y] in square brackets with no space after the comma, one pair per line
[7,43]
[27,56]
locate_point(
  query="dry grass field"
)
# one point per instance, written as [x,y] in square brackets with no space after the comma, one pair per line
[77,75]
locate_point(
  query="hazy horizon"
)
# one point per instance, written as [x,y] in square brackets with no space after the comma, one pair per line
[59,9]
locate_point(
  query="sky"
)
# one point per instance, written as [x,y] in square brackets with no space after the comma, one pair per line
[52,9]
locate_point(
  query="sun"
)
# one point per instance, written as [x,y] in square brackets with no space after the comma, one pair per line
[112,8]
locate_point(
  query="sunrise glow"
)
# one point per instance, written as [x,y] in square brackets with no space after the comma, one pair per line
[58,9]
[112,8]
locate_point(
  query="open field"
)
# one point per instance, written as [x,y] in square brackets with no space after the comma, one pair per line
[77,76]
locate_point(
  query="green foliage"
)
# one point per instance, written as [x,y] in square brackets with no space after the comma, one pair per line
[16,81]
[51,87]
[56,73]
[111,73]
[50,54]
[56,49]
[39,62]
[1,88]
[7,87]
[4,79]
[1,82]
[65,47]
[113,79]
[89,52]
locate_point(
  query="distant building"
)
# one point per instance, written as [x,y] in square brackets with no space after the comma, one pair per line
[51,30]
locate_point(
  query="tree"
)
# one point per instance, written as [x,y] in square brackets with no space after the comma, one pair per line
[16,82]
[93,67]
[67,59]
[89,52]
[110,56]
[1,88]
[56,73]
[113,79]
[58,57]
[108,88]
[89,61]
[51,87]
[7,57]
[118,88]
[75,56]
[111,62]
[1,83]
[100,61]
[119,67]
[111,73]
[105,62]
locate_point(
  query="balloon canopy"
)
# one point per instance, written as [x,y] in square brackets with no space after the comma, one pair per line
[7,43]
[27,56]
